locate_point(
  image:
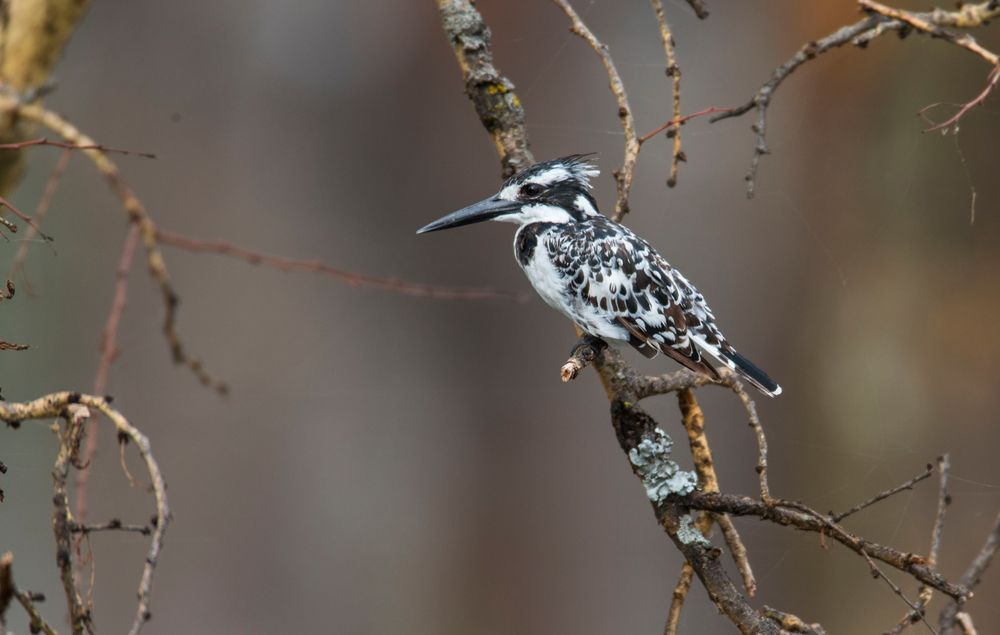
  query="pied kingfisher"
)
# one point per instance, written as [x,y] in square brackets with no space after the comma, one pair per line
[600,275]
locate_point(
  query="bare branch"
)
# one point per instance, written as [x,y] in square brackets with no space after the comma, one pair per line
[43,141]
[925,593]
[58,405]
[880,20]
[69,446]
[223,248]
[694,424]
[136,213]
[679,121]
[9,591]
[492,94]
[799,516]
[27,219]
[926,24]
[971,578]
[108,354]
[677,599]
[884,494]
[112,525]
[674,73]
[623,177]
[44,203]
[991,83]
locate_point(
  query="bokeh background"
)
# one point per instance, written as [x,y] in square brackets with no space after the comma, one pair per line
[391,464]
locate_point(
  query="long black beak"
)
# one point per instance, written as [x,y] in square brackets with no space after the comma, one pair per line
[476,213]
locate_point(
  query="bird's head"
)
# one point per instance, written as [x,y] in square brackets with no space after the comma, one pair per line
[556,191]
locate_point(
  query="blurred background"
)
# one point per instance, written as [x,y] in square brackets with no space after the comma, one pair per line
[391,464]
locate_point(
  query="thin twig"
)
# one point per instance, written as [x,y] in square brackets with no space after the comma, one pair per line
[880,20]
[677,599]
[27,219]
[44,203]
[674,73]
[971,577]
[884,494]
[9,591]
[800,516]
[112,525]
[991,83]
[623,176]
[108,353]
[679,121]
[69,447]
[223,248]
[754,421]
[925,592]
[43,141]
[136,213]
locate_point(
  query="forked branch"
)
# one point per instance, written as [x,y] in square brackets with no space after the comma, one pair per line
[880,19]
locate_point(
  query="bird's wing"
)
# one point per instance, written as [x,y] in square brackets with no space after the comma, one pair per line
[622,278]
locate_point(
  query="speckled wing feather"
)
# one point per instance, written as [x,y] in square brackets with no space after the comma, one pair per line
[623,279]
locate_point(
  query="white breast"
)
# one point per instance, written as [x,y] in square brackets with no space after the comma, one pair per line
[552,287]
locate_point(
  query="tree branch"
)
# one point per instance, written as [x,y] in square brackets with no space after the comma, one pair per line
[880,20]
[223,248]
[9,591]
[492,94]
[74,406]
[971,578]
[623,177]
[674,73]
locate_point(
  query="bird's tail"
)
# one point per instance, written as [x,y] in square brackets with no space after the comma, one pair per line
[749,371]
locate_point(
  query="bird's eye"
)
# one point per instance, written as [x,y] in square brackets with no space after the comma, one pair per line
[531,189]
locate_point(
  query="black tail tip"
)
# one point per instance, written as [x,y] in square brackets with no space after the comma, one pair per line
[755,375]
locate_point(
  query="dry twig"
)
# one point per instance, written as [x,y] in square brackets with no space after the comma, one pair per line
[72,407]
[925,593]
[971,578]
[224,248]
[674,73]
[136,213]
[44,203]
[881,20]
[9,591]
[884,495]
[623,176]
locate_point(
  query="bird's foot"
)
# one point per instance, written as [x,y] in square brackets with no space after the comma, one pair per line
[586,350]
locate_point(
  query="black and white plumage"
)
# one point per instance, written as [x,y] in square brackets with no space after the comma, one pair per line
[602,276]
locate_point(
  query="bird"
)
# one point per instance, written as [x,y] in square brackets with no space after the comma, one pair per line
[598,273]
